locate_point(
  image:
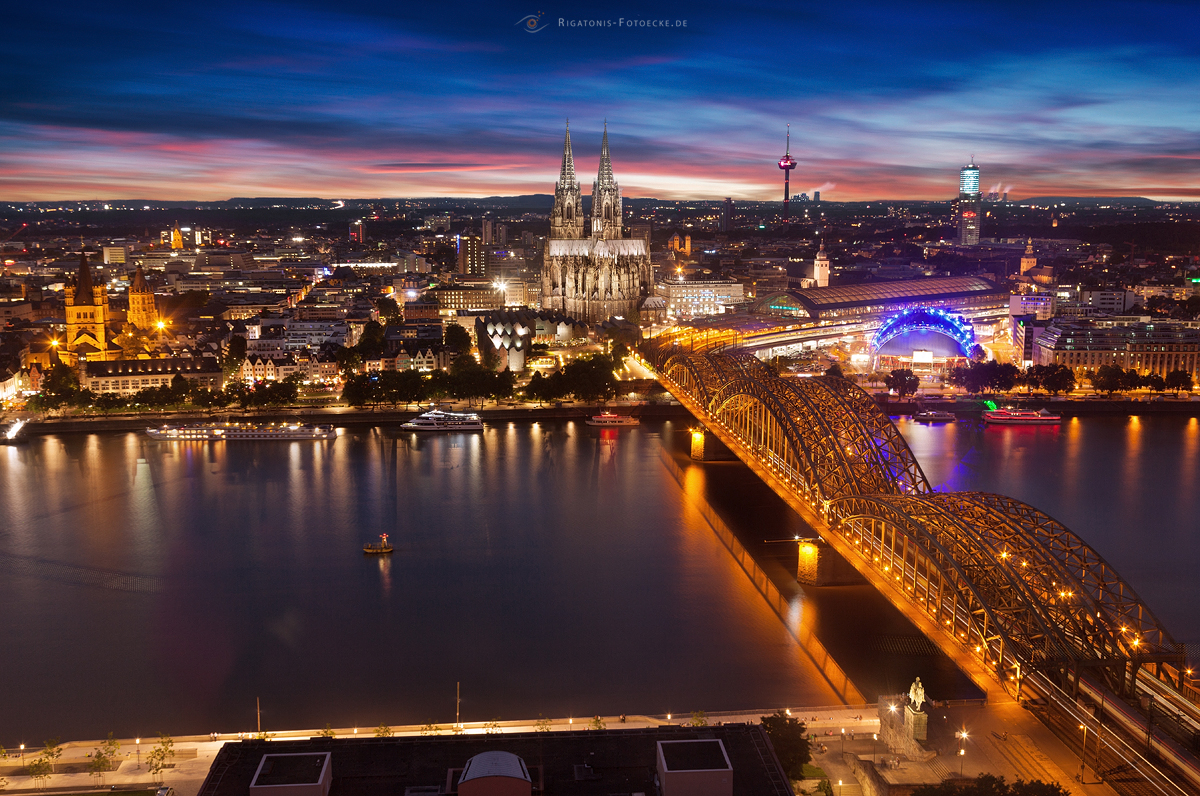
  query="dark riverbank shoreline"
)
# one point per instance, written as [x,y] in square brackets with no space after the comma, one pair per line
[338,416]
[1086,407]
[346,417]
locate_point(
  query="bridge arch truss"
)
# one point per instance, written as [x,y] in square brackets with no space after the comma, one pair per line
[1010,585]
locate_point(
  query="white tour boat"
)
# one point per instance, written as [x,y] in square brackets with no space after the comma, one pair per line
[933,416]
[439,420]
[1021,417]
[242,431]
[610,420]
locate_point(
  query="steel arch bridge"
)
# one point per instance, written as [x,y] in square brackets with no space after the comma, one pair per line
[1005,584]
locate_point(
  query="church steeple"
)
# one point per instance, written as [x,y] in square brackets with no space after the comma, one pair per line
[566,219]
[83,282]
[567,173]
[142,312]
[606,197]
[605,175]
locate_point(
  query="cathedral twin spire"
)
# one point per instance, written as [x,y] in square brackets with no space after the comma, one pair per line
[566,220]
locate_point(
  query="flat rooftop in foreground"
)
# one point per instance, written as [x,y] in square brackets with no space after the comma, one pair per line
[694,755]
[290,769]
[588,763]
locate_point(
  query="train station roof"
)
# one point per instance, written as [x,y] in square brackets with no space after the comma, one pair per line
[823,299]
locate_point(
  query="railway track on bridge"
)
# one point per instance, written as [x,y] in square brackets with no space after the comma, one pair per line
[1003,589]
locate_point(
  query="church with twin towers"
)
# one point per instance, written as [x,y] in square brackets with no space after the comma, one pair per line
[591,271]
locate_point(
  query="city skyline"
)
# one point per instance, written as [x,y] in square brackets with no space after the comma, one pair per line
[293,99]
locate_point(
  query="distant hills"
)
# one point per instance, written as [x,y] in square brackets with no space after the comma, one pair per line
[1138,201]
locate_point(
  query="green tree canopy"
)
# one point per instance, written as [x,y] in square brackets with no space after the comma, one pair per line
[234,354]
[590,378]
[1107,378]
[903,381]
[989,785]
[458,338]
[371,344]
[1179,380]
[788,736]
[388,309]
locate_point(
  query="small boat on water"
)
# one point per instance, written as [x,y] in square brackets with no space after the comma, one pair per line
[439,420]
[933,416]
[610,420]
[1021,417]
[378,548]
[242,431]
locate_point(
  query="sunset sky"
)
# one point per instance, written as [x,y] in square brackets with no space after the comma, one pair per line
[886,100]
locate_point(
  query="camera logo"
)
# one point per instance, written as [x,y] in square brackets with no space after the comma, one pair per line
[532,23]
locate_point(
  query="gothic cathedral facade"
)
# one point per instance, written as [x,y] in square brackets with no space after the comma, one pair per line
[595,274]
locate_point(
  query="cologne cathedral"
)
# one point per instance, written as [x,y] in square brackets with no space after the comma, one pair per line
[593,274]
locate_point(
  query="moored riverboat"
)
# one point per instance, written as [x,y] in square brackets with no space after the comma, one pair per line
[933,416]
[610,420]
[440,420]
[1021,417]
[216,432]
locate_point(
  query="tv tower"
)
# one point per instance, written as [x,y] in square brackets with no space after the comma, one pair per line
[787,163]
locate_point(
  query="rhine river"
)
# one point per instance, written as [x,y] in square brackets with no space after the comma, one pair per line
[549,567]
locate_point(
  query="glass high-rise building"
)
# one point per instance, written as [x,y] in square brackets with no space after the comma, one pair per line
[970,203]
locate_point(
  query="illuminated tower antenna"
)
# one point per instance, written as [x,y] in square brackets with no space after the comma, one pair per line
[787,163]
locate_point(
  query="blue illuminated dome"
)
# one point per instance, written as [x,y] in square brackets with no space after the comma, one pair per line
[919,320]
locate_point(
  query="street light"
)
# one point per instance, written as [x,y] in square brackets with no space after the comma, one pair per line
[843,742]
[138,745]
[1082,752]
[962,748]
[22,755]
[875,748]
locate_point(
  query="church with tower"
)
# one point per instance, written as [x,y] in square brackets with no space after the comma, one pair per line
[92,328]
[591,272]
[88,316]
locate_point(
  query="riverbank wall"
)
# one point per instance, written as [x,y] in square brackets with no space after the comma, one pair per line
[339,416]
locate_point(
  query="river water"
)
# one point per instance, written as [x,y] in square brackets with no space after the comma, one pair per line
[550,568]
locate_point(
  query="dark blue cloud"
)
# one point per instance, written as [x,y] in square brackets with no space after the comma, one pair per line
[894,88]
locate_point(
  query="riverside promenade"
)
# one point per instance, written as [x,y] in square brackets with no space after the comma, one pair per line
[1004,740]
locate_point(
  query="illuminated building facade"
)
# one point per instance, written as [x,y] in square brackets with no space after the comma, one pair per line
[693,298]
[128,377]
[1145,347]
[1029,260]
[923,339]
[142,312]
[969,205]
[88,337]
[601,275]
[821,268]
[472,258]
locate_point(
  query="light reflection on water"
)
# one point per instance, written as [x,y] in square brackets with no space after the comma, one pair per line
[1126,485]
[550,568]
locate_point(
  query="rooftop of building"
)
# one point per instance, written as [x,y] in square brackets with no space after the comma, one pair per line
[586,763]
[137,367]
[819,299]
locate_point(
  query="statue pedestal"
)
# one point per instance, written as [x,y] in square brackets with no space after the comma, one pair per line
[916,722]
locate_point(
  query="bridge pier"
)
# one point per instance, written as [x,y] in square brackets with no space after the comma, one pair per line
[818,564]
[707,447]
